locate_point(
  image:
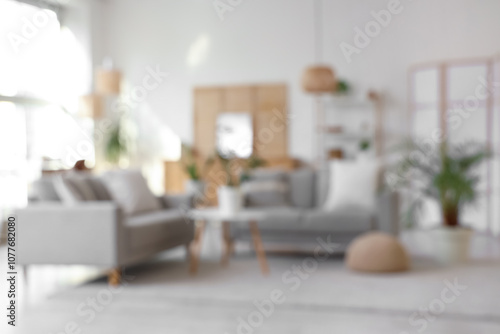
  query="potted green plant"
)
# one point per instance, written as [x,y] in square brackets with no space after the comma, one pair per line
[364,149]
[342,88]
[228,194]
[115,145]
[447,174]
[194,184]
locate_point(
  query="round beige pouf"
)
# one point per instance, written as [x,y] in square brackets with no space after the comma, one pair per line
[377,252]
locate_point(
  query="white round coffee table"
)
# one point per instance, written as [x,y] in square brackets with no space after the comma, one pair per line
[202,216]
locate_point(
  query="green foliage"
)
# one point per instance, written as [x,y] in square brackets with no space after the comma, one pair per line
[251,163]
[364,145]
[231,166]
[342,87]
[447,174]
[115,145]
[192,171]
[227,165]
[255,162]
[189,162]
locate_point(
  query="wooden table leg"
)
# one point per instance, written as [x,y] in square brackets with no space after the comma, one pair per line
[228,243]
[259,248]
[196,246]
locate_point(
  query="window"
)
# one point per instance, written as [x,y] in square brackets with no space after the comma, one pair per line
[461,100]
[43,71]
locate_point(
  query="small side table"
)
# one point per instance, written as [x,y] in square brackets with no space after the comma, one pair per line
[202,216]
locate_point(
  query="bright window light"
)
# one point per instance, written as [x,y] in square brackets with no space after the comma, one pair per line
[13,165]
[41,60]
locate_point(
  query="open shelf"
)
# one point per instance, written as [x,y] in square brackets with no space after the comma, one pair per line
[345,134]
[345,121]
[337,103]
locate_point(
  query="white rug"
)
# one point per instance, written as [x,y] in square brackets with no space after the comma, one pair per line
[162,297]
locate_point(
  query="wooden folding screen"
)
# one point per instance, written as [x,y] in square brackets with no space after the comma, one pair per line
[266,103]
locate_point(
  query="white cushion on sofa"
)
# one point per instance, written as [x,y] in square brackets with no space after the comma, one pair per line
[265,193]
[302,184]
[352,184]
[130,190]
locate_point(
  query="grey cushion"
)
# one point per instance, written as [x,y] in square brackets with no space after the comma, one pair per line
[181,201]
[43,189]
[74,187]
[322,185]
[267,188]
[302,188]
[148,229]
[265,193]
[100,191]
[81,183]
[269,175]
[130,190]
[345,220]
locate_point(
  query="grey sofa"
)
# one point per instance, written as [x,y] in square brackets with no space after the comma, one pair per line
[300,218]
[98,233]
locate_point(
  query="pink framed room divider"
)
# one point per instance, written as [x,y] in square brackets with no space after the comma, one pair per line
[460,100]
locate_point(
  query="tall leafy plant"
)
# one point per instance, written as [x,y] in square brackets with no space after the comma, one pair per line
[116,145]
[445,173]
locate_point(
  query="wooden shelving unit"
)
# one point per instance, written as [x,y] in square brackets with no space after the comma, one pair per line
[345,121]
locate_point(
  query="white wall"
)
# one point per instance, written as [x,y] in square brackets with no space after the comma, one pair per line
[85,21]
[272,41]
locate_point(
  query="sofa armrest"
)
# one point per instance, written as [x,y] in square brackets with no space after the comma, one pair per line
[182,202]
[387,215]
[86,233]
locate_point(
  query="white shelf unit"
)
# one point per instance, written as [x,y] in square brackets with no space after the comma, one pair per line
[356,119]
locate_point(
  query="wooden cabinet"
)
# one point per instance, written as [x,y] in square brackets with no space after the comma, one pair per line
[207,104]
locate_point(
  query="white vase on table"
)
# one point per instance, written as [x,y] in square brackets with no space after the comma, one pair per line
[230,199]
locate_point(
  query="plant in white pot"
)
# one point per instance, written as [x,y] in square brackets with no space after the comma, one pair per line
[116,144]
[447,174]
[235,171]
[229,194]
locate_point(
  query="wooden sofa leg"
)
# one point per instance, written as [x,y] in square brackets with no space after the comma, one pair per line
[115,277]
[188,252]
